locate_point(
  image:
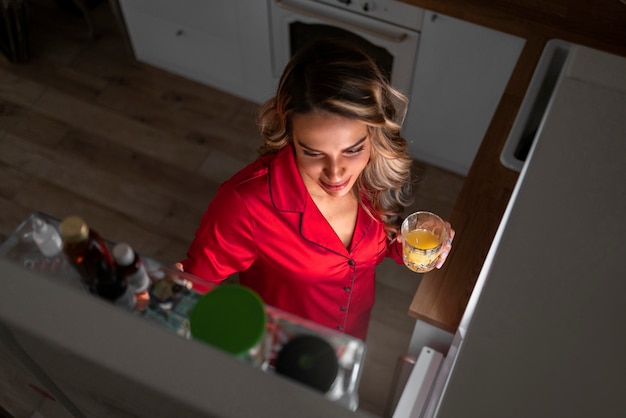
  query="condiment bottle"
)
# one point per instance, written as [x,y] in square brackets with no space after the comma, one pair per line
[128,265]
[86,251]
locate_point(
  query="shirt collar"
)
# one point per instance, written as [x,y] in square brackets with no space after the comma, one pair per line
[287,189]
[288,193]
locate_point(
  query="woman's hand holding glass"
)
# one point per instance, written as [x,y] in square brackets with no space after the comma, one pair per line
[447,245]
[426,241]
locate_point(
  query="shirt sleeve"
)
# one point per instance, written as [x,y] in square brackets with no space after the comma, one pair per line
[224,241]
[394,250]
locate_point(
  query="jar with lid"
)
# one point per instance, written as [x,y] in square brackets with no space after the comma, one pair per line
[231,318]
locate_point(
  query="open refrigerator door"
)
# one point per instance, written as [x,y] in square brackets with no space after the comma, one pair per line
[94,358]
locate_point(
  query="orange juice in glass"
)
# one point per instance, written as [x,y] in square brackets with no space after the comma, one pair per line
[423,235]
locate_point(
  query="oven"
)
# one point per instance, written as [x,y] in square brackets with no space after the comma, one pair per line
[386,29]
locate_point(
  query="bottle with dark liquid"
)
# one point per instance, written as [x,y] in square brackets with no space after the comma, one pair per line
[112,286]
[86,251]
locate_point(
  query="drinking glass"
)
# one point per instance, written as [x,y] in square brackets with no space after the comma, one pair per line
[423,235]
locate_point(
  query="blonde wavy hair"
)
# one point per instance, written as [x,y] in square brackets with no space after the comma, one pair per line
[339,78]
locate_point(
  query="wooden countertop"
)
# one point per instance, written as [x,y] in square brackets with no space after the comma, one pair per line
[442,295]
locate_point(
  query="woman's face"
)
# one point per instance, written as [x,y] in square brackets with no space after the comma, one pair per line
[331,151]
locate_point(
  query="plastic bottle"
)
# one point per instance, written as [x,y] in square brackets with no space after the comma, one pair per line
[129,266]
[46,237]
[86,251]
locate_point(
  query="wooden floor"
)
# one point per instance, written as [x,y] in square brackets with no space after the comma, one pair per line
[139,153]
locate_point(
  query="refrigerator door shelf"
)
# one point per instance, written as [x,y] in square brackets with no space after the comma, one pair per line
[173,314]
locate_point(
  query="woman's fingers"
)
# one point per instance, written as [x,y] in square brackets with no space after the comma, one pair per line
[449,233]
[447,245]
[179,266]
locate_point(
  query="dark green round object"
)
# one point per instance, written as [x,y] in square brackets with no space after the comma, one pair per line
[230,317]
[310,360]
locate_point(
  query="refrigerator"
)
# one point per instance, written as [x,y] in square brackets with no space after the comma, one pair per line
[541,335]
[67,353]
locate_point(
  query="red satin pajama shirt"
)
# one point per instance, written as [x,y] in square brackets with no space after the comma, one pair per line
[264,224]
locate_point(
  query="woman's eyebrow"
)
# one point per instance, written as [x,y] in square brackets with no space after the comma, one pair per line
[356,144]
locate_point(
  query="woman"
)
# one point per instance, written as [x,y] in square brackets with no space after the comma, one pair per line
[306,224]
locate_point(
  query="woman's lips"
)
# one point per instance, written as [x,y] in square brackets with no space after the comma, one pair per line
[335,187]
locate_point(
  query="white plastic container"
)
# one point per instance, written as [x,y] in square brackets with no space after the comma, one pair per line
[47,238]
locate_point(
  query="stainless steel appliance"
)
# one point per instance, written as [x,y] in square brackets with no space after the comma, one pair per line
[388,30]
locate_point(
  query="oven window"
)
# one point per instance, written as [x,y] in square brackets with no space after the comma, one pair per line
[302,33]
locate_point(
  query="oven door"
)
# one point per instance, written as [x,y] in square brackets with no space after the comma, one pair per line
[296,22]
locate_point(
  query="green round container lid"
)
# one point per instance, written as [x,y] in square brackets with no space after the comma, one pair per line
[229,317]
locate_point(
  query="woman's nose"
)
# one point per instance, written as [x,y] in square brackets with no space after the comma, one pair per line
[333,169]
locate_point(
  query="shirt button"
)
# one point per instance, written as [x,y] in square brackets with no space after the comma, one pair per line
[339,328]
[347,289]
[342,309]
[352,263]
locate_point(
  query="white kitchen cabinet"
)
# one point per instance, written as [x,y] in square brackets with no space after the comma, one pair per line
[218,43]
[461,72]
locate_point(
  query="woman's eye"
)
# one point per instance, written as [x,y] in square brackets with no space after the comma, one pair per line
[311,153]
[356,150]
